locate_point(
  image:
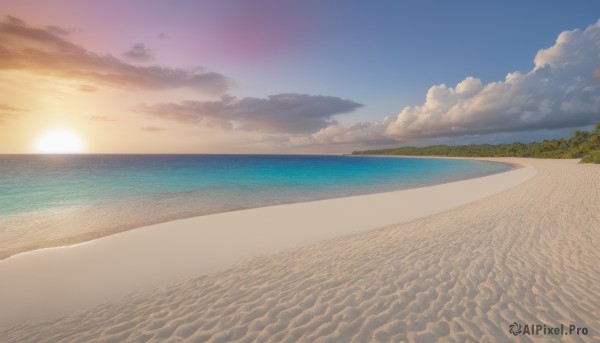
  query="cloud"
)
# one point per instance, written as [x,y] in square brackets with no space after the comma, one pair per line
[365,133]
[14,21]
[139,53]
[560,92]
[12,109]
[8,111]
[58,30]
[163,36]
[152,129]
[40,51]
[100,118]
[281,113]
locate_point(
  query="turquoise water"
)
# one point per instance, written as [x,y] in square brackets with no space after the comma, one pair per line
[92,193]
[30,183]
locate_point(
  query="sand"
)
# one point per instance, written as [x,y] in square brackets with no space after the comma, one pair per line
[48,283]
[522,249]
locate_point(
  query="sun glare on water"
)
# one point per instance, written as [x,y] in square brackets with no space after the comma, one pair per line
[59,141]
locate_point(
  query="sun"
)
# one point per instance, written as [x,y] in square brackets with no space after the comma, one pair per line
[59,141]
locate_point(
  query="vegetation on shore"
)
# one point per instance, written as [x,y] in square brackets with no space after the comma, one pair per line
[583,144]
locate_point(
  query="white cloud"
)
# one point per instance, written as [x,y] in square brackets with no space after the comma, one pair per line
[367,133]
[561,91]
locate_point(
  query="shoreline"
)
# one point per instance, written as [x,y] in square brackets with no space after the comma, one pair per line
[516,165]
[65,279]
[527,254]
[67,237]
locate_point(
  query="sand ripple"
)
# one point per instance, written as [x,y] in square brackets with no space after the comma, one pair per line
[530,254]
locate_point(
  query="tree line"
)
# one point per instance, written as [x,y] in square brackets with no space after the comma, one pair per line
[583,144]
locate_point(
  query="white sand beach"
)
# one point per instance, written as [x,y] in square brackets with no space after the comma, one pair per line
[455,262]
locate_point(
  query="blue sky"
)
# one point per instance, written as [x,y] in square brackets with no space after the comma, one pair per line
[342,67]
[388,56]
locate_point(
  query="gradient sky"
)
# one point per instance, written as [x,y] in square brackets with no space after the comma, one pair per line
[275,76]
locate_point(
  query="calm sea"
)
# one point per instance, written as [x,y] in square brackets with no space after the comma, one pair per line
[108,192]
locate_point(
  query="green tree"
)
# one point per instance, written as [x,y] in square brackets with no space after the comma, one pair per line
[582,144]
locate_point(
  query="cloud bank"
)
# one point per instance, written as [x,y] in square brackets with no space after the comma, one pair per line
[46,51]
[561,91]
[281,113]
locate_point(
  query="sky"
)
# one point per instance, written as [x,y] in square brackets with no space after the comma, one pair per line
[278,76]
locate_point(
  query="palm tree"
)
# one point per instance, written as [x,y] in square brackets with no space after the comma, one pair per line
[594,140]
[579,137]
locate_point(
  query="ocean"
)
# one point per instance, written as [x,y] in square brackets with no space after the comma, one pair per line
[56,195]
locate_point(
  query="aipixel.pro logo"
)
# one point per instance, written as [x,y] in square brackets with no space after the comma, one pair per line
[545,330]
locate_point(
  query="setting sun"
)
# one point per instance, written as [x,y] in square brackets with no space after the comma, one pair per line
[59,141]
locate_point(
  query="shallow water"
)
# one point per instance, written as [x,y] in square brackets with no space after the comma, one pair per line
[55,196]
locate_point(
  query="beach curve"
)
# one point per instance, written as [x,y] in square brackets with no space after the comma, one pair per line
[528,255]
[47,283]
